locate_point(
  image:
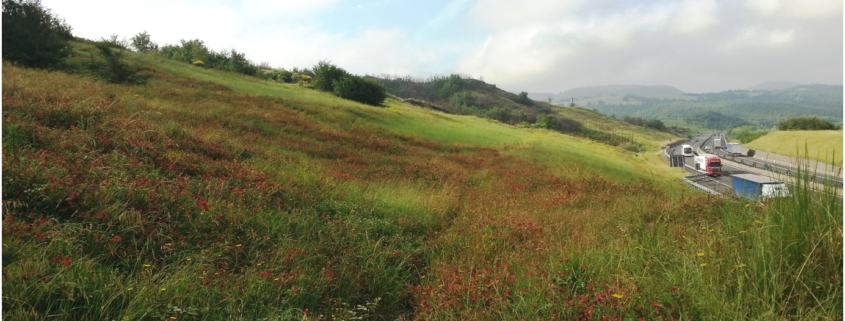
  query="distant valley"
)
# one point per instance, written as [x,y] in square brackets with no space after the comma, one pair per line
[762,106]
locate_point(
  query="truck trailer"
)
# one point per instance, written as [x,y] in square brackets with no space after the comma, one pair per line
[719,142]
[733,149]
[711,164]
[758,187]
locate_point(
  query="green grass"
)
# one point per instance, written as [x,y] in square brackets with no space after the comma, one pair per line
[210,196]
[821,145]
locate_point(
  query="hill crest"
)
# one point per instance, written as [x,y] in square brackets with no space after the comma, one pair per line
[660,91]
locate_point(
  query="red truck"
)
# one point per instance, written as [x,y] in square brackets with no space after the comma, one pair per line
[709,163]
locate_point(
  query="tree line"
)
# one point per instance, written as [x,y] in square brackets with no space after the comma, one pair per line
[34,37]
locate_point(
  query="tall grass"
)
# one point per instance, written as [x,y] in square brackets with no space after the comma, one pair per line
[192,200]
[821,145]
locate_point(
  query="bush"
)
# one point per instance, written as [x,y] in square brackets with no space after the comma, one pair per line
[359,89]
[806,123]
[32,36]
[326,74]
[561,124]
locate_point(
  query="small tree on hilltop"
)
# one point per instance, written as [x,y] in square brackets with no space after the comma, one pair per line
[32,36]
[115,70]
[142,43]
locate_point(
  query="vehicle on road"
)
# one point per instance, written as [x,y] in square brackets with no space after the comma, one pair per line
[733,149]
[686,150]
[758,187]
[711,164]
[719,142]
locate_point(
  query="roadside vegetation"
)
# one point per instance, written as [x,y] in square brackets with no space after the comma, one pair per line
[187,199]
[746,134]
[807,123]
[821,145]
[202,194]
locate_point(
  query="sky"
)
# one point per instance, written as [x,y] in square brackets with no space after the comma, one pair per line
[535,46]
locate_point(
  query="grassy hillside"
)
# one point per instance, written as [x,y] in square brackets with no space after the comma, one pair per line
[205,195]
[821,145]
[465,96]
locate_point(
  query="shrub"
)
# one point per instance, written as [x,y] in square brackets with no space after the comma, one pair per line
[360,89]
[32,36]
[806,123]
[325,74]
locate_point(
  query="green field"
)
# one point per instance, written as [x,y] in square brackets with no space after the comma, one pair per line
[206,195]
[820,145]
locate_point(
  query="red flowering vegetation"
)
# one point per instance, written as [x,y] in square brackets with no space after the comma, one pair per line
[250,198]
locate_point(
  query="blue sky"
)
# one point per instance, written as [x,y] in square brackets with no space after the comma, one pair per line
[535,46]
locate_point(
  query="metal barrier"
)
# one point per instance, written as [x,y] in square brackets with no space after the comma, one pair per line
[701,187]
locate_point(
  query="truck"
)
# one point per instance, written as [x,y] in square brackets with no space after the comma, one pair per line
[718,142]
[711,164]
[734,149]
[758,187]
[686,150]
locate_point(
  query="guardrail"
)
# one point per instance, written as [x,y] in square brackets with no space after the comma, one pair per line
[701,187]
[781,170]
[670,146]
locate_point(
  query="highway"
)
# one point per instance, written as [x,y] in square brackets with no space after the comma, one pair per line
[732,165]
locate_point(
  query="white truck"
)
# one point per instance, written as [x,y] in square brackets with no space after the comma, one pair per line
[719,142]
[686,150]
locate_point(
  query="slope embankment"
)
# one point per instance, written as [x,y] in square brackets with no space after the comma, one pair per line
[209,195]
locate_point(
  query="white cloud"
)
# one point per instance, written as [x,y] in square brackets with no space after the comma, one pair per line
[499,14]
[696,15]
[697,44]
[539,45]
[780,37]
[796,9]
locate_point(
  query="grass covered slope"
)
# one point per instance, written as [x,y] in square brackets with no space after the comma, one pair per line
[821,145]
[205,195]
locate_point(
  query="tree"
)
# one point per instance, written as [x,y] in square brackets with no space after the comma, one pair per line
[115,41]
[142,43]
[32,36]
[359,89]
[115,70]
[188,51]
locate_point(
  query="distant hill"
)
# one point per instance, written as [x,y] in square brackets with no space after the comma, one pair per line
[774,85]
[611,90]
[727,109]
[463,95]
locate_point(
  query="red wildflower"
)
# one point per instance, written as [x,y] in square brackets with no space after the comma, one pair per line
[116,238]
